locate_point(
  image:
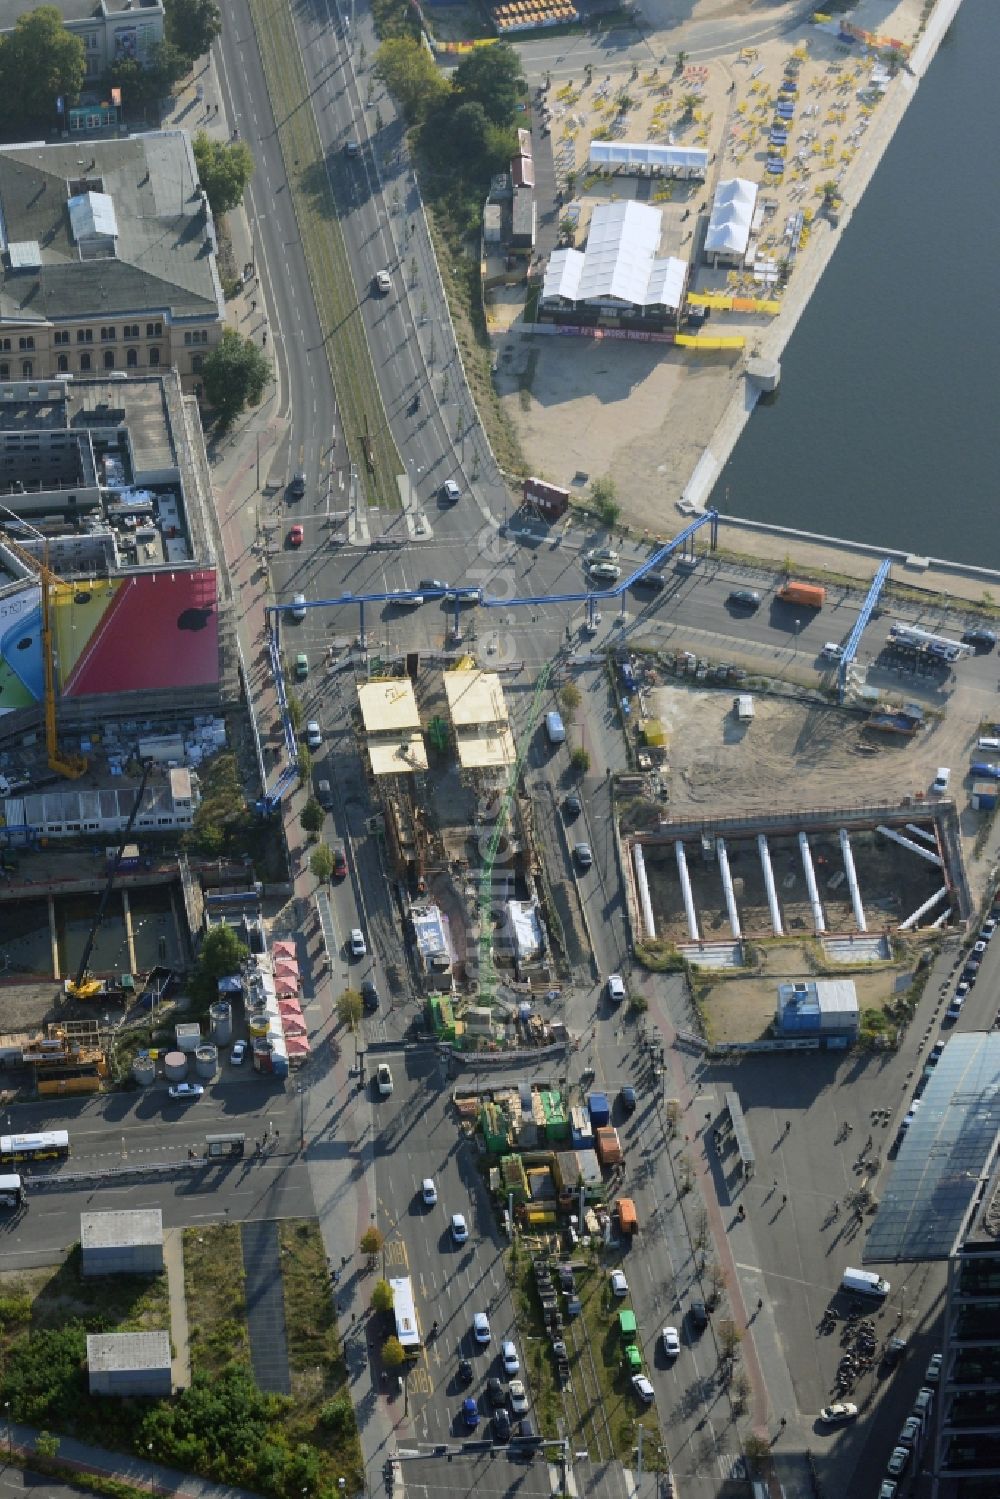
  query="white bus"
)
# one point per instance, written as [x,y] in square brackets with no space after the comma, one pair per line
[405,1312]
[11,1192]
[50,1145]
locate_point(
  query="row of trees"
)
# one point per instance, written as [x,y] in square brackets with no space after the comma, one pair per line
[464,126]
[41,61]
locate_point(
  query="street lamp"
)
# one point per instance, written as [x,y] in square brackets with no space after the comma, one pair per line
[7,1418]
[152,1481]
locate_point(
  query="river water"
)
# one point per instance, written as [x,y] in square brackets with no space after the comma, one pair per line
[886,424]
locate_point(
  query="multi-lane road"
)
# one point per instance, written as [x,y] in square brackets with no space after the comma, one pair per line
[120,1141]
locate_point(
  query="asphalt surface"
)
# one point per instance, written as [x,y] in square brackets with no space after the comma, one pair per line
[141,1131]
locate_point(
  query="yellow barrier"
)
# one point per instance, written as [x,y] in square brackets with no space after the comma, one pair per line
[734,304]
[686,341]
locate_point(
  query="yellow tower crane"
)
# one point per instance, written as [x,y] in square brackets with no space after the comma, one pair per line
[69,765]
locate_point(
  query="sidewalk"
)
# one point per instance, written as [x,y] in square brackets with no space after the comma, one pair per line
[146,1475]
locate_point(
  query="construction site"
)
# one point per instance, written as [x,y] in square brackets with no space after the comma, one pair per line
[826,873]
[444,770]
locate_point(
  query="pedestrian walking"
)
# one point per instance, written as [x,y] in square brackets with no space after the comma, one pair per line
[784,1198]
[760,1303]
[253,304]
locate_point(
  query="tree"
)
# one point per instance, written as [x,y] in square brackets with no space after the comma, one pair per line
[392,1353]
[382,1296]
[580,760]
[729,1336]
[604,493]
[222,953]
[571,697]
[235,375]
[146,85]
[689,103]
[321,863]
[371,1241]
[47,1444]
[471,127]
[311,816]
[412,76]
[349,1007]
[40,62]
[716,1277]
[224,170]
[192,26]
[492,77]
[699,1229]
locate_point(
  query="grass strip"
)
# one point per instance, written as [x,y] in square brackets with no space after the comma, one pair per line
[337,305]
[215,1292]
[323,1413]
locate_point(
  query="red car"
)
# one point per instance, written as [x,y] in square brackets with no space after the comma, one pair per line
[296,536]
[339,863]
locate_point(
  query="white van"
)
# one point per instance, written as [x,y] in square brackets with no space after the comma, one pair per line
[988,744]
[940,782]
[831,651]
[555,728]
[864,1283]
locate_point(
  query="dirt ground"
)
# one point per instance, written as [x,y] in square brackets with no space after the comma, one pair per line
[893,883]
[566,396]
[792,754]
[742,1009]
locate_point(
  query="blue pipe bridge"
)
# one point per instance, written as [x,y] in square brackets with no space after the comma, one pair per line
[458,595]
[861,623]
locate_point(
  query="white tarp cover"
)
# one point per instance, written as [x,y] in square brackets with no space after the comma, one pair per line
[619,262]
[647,154]
[732,215]
[525,929]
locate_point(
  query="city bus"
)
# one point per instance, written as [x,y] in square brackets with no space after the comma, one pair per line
[50,1145]
[405,1313]
[11,1192]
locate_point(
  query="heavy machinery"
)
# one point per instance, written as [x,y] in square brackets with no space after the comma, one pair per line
[69,765]
[487,970]
[84,987]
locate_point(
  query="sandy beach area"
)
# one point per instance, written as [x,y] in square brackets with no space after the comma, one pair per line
[665,417]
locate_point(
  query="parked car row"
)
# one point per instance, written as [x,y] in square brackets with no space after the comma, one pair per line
[912,1435]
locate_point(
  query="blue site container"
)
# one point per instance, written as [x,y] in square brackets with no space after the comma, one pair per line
[600,1109]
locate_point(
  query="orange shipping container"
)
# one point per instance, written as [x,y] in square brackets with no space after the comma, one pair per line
[628,1218]
[608,1146]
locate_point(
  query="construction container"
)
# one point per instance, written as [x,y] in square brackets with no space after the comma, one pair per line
[608,1146]
[984,796]
[599,1109]
[628,1218]
[581,1133]
[188,1036]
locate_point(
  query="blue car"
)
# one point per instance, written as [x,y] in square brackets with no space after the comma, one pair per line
[470,1412]
[985,770]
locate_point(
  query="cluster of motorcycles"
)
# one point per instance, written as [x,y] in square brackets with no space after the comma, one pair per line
[860,1343]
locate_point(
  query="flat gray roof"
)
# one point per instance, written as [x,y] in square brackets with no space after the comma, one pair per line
[129,1227]
[128,1350]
